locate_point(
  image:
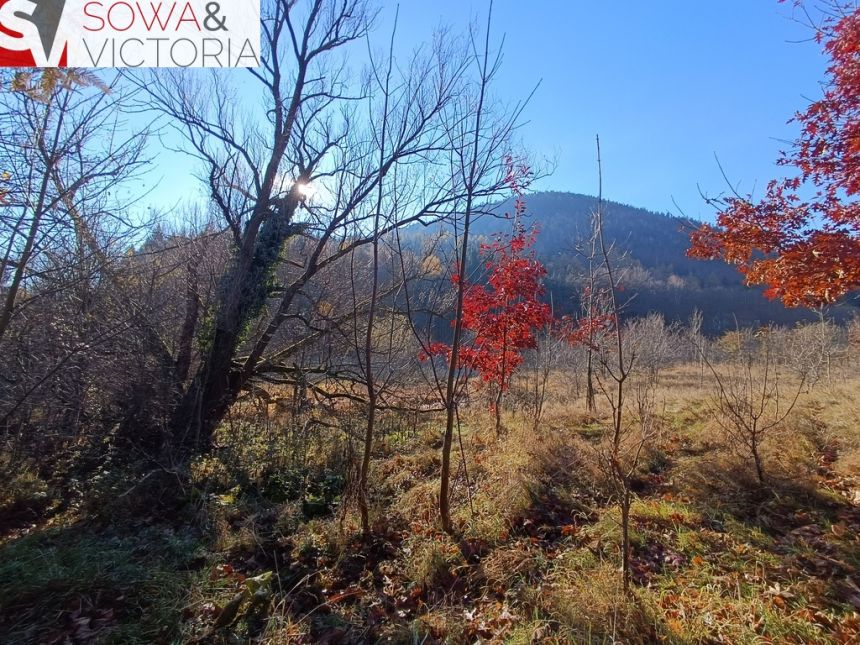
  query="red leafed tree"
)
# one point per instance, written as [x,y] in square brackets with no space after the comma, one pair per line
[802,239]
[504,314]
[591,332]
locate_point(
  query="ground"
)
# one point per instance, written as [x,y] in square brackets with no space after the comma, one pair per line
[258,543]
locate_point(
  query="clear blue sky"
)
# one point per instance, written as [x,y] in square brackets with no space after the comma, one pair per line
[668,84]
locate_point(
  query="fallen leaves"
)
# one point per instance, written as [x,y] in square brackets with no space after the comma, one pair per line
[84,626]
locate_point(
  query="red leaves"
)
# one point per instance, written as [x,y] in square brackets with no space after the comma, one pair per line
[434,349]
[806,249]
[587,331]
[506,312]
[503,314]
[518,176]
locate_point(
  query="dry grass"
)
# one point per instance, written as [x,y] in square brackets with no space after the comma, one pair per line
[536,559]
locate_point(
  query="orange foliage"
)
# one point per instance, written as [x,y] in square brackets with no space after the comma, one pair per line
[802,240]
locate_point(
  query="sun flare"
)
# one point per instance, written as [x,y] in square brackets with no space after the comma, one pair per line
[306,189]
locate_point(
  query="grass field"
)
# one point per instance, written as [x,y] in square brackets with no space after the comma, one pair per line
[258,546]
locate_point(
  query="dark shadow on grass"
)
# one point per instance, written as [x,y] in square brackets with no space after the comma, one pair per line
[809,529]
[77,583]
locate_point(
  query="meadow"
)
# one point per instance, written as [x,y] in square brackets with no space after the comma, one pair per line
[263,544]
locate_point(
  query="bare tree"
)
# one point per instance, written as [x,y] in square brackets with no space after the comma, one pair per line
[656,344]
[263,168]
[544,360]
[65,300]
[59,168]
[590,307]
[697,340]
[749,399]
[481,138]
[626,440]
[385,87]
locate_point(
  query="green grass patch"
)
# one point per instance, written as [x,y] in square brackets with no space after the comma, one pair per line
[125,588]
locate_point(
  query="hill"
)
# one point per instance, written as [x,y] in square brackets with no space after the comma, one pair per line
[652,248]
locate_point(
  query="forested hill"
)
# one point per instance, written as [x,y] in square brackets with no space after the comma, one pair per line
[659,275]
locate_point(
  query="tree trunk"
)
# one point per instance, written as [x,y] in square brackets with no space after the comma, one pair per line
[189,324]
[453,367]
[365,461]
[244,293]
[371,313]
[759,467]
[498,410]
[589,383]
[625,538]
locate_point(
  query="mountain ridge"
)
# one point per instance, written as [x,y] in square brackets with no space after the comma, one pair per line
[652,248]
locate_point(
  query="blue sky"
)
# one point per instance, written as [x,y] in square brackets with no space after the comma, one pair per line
[668,84]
